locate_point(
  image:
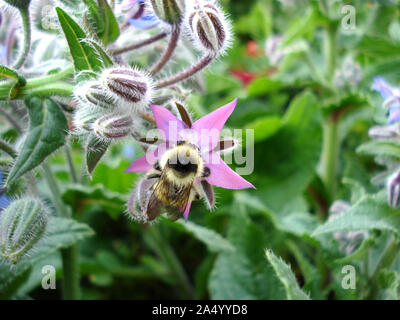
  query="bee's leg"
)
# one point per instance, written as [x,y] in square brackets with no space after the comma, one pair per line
[154,175]
[206,172]
[157,166]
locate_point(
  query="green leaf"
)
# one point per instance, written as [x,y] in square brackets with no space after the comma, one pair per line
[379,47]
[47,131]
[264,127]
[289,157]
[286,276]
[381,148]
[263,86]
[389,281]
[85,57]
[94,16]
[60,233]
[95,150]
[370,212]
[106,59]
[83,197]
[243,274]
[111,27]
[7,72]
[213,240]
[301,26]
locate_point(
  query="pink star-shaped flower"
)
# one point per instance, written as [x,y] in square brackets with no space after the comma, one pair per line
[205,134]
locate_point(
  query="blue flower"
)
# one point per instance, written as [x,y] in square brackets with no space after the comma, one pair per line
[4,200]
[138,15]
[391,96]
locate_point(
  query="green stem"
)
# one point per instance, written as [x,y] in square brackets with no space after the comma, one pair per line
[165,251]
[330,50]
[330,154]
[24,12]
[389,256]
[71,289]
[70,162]
[69,255]
[46,85]
[7,148]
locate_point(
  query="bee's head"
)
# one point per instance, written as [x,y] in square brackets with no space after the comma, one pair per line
[184,162]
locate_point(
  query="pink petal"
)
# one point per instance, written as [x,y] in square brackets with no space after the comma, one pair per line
[187,209]
[211,125]
[223,176]
[167,122]
[145,163]
[139,165]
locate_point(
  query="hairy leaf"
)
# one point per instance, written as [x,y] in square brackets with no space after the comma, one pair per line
[371,212]
[243,274]
[47,131]
[286,276]
[85,57]
[60,233]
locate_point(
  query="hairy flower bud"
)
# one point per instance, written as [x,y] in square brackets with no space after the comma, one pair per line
[113,126]
[209,28]
[169,11]
[84,119]
[393,187]
[22,225]
[127,84]
[94,94]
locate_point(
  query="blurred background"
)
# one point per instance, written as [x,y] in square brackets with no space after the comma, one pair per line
[303,70]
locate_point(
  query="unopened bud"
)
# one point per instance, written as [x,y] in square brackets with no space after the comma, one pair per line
[169,11]
[84,119]
[94,94]
[113,126]
[22,225]
[130,85]
[209,28]
[393,187]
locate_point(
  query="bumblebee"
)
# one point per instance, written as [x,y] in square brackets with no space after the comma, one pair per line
[175,176]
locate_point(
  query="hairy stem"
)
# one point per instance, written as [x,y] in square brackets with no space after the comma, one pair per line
[7,148]
[330,50]
[70,162]
[167,254]
[69,255]
[71,289]
[45,86]
[330,154]
[140,44]
[24,13]
[389,256]
[173,42]
[185,74]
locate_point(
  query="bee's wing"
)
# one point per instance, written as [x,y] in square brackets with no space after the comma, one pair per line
[154,205]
